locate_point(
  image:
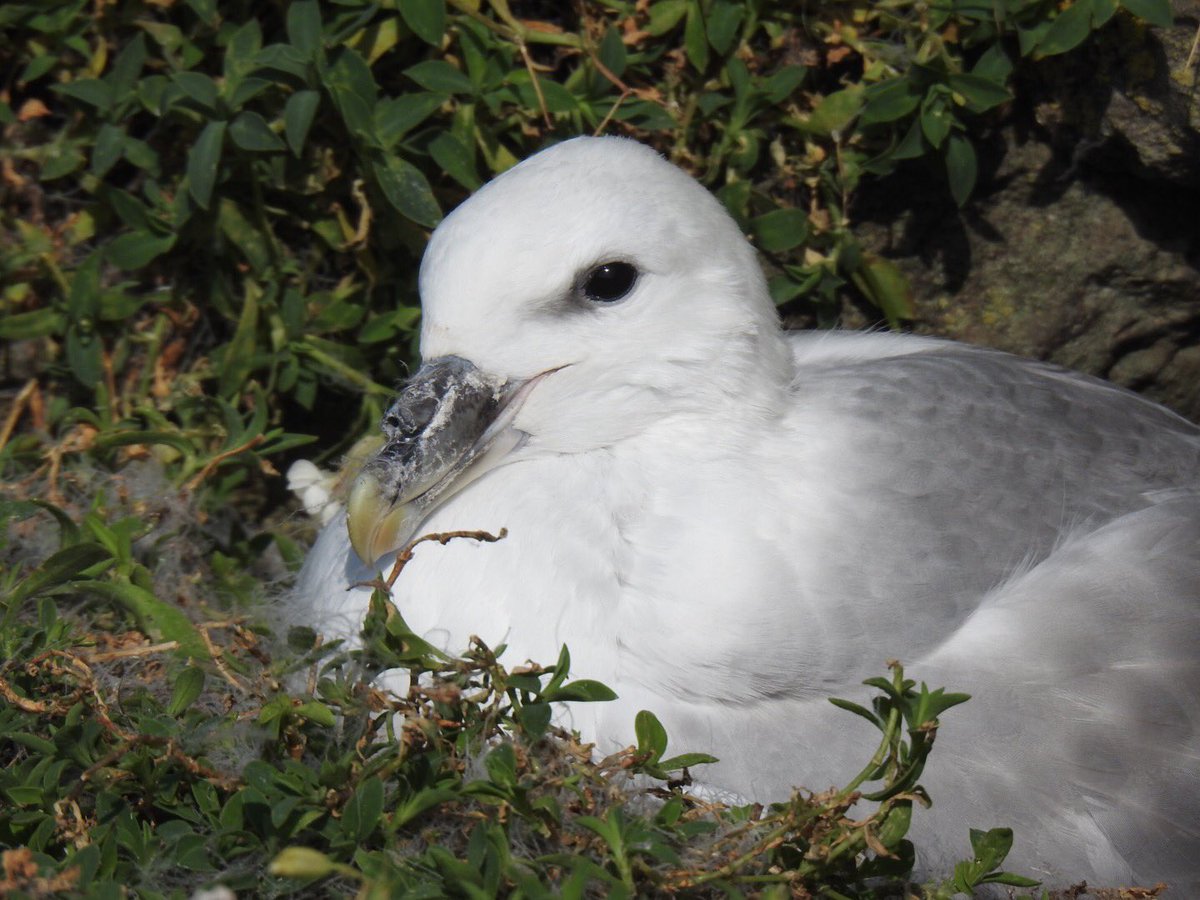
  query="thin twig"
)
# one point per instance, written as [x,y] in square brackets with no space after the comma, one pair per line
[147,650]
[10,421]
[537,87]
[211,466]
[216,653]
[37,707]
[442,537]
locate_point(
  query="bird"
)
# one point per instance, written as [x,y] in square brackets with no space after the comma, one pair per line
[728,523]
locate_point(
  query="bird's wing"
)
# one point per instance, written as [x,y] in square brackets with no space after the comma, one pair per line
[1084,673]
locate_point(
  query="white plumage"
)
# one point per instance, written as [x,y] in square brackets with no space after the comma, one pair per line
[728,524]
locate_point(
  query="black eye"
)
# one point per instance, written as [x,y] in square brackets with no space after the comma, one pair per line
[609,282]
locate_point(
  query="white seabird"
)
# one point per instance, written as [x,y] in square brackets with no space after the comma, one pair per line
[727,523]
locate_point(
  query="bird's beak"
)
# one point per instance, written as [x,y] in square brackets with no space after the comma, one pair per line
[450,424]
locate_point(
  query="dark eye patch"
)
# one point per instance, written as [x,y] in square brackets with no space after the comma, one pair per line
[609,282]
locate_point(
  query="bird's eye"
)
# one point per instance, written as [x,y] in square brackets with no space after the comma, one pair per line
[609,282]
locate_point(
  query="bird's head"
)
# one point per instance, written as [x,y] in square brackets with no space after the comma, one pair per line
[575,301]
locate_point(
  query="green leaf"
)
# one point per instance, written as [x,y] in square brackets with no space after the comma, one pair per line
[781,229]
[92,91]
[835,112]
[198,87]
[247,89]
[407,191]
[361,814]
[61,160]
[887,287]
[238,354]
[127,66]
[37,67]
[33,742]
[686,761]
[936,119]
[316,712]
[961,168]
[205,10]
[1156,12]
[427,19]
[1028,38]
[1067,31]
[83,301]
[130,209]
[298,115]
[612,52]
[241,50]
[164,621]
[33,324]
[383,327]
[135,249]
[350,82]
[1009,879]
[110,141]
[534,719]
[108,439]
[501,765]
[439,75]
[250,131]
[780,85]
[858,710]
[895,824]
[994,65]
[651,736]
[582,691]
[890,100]
[991,847]
[204,161]
[304,26]
[665,15]
[980,93]
[557,98]
[912,145]
[66,565]
[244,235]
[395,117]
[188,686]
[283,58]
[1102,11]
[695,39]
[455,159]
[722,24]
[302,862]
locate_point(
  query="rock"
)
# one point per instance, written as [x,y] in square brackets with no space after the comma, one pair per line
[1082,243]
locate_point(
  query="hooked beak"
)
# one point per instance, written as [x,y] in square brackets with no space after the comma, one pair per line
[450,425]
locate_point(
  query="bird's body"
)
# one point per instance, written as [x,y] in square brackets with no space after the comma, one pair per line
[728,524]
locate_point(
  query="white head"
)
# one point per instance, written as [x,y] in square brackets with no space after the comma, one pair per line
[502,286]
[590,293]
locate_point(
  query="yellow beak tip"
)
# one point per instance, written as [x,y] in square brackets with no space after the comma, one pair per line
[373,522]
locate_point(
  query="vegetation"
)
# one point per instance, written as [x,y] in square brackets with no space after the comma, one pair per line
[213,213]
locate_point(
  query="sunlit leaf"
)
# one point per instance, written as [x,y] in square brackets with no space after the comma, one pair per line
[407,190]
[455,159]
[781,229]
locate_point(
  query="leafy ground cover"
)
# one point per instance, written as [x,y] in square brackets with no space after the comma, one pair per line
[213,213]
